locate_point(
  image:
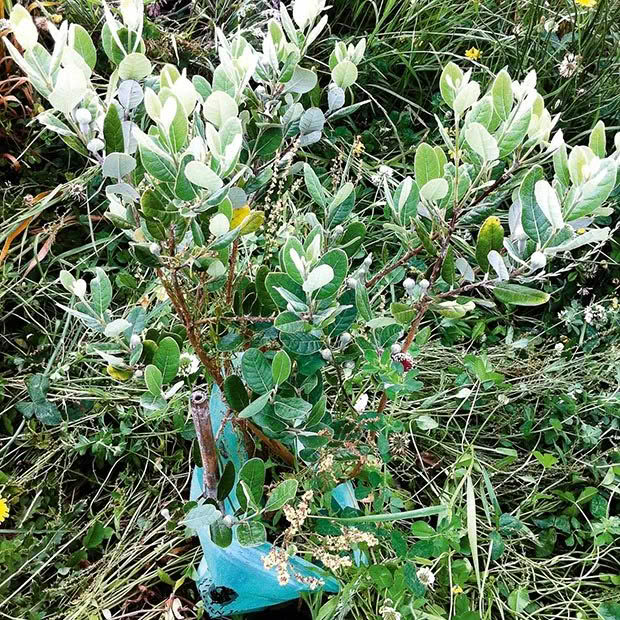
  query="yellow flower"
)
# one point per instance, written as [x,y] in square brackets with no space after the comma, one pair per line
[473,53]
[56,18]
[580,231]
[457,590]
[589,4]
[4,509]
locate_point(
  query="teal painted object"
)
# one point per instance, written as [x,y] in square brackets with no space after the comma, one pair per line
[233,580]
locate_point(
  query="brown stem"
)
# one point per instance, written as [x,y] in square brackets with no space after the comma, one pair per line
[231,272]
[204,432]
[401,261]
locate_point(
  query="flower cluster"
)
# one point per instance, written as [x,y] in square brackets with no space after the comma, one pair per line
[297,516]
[278,558]
[350,537]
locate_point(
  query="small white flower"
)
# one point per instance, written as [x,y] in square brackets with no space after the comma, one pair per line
[424,284]
[502,399]
[426,577]
[571,64]
[389,613]
[396,348]
[463,393]
[408,284]
[559,347]
[188,364]
[351,282]
[361,403]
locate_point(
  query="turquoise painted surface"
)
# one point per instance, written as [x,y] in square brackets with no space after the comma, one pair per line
[233,580]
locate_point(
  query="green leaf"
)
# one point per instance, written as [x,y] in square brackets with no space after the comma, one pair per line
[80,41]
[609,611]
[597,140]
[449,83]
[101,291]
[289,322]
[221,534]
[275,280]
[426,165]
[253,474]
[303,81]
[158,164]
[590,195]
[281,367]
[200,174]
[268,143]
[501,92]
[201,516]
[314,187]
[518,600]
[291,408]
[518,295]
[235,392]
[134,66]
[251,534]
[256,406]
[153,379]
[490,237]
[362,302]
[536,226]
[282,494]
[113,132]
[167,358]
[381,575]
[118,165]
[546,460]
[412,581]
[219,107]
[97,533]
[341,206]
[292,243]
[344,74]
[481,142]
[511,133]
[256,371]
[300,343]
[337,260]
[403,313]
[226,482]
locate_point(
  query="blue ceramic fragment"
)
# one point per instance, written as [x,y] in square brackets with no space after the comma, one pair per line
[233,580]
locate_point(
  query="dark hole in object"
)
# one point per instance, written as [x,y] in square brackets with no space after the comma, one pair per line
[222,595]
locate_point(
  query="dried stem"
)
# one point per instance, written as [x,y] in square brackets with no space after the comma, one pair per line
[204,431]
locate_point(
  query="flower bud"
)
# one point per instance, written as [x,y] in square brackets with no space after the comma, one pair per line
[326,354]
[95,145]
[538,260]
[345,339]
[368,261]
[351,282]
[408,283]
[83,116]
[424,284]
[155,249]
[396,348]
[134,341]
